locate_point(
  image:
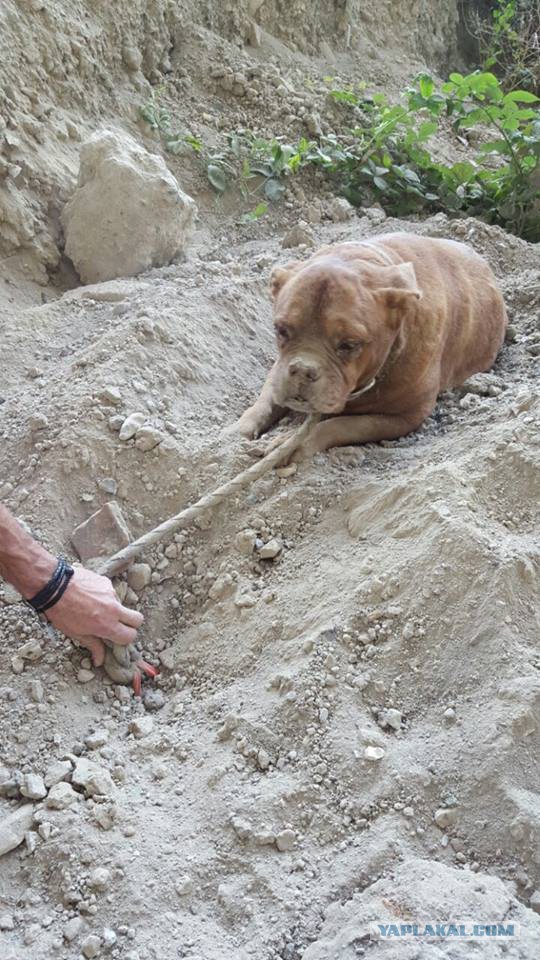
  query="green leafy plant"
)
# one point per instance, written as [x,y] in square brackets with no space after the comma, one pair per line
[509,42]
[159,118]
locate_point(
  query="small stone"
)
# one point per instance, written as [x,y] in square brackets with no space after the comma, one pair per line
[141,727]
[285,840]
[14,826]
[96,739]
[31,650]
[446,817]
[61,796]
[57,772]
[6,922]
[72,929]
[534,901]
[408,812]
[271,549]
[147,438]
[299,234]
[245,542]
[391,718]
[132,58]
[93,778]
[450,715]
[36,691]
[102,535]
[109,938]
[17,665]
[139,576]
[167,658]
[45,830]
[38,421]
[153,700]
[84,676]
[111,395]
[263,759]
[374,753]
[108,485]
[33,787]
[340,210]
[184,886]
[99,878]
[254,34]
[130,426]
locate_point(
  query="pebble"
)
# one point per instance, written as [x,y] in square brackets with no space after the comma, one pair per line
[6,922]
[84,676]
[61,796]
[184,886]
[285,840]
[245,542]
[271,549]
[391,718]
[33,787]
[340,210]
[36,691]
[56,772]
[72,929]
[96,739]
[450,715]
[99,878]
[139,576]
[14,826]
[111,395]
[147,438]
[141,727]
[109,938]
[263,759]
[535,901]
[374,753]
[297,235]
[130,425]
[93,778]
[445,817]
[153,700]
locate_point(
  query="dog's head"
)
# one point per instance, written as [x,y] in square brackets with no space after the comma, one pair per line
[335,321]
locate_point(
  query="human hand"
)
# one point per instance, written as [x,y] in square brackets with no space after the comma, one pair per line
[90,610]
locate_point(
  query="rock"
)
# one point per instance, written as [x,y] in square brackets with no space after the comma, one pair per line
[31,650]
[147,438]
[184,886]
[245,542]
[13,827]
[99,878]
[94,779]
[340,210]
[132,58]
[128,212]
[141,727]
[271,549]
[263,759]
[482,385]
[298,234]
[6,921]
[33,787]
[285,840]
[139,576]
[96,739]
[534,901]
[36,691]
[57,772]
[391,718]
[103,534]
[167,658]
[72,929]
[374,753]
[84,676]
[91,946]
[153,700]
[130,426]
[446,817]
[111,395]
[61,796]
[223,586]
[287,471]
[109,938]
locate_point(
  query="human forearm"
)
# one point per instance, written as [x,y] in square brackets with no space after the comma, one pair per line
[23,562]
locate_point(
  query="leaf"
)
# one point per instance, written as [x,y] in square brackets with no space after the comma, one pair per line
[255,214]
[521,96]
[380,183]
[217,177]
[426,86]
[427,129]
[273,189]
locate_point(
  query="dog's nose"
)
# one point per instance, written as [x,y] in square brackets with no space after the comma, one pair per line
[303,368]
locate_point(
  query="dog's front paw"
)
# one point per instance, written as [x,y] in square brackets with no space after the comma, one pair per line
[250,426]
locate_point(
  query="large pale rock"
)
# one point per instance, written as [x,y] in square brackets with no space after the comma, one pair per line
[13,827]
[128,212]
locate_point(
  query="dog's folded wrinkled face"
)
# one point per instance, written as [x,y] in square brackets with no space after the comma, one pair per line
[335,321]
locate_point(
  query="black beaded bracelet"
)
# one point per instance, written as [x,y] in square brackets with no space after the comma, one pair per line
[54,589]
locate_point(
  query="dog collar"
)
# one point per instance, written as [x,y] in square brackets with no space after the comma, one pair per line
[358,393]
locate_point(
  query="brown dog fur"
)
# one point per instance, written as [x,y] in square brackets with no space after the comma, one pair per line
[415,314]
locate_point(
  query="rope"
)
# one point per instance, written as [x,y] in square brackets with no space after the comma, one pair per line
[118,659]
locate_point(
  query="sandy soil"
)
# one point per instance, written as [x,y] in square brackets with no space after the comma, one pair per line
[236,811]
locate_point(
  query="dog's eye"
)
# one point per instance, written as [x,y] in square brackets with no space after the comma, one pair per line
[282,332]
[347,347]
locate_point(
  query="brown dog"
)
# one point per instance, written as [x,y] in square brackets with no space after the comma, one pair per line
[375,330]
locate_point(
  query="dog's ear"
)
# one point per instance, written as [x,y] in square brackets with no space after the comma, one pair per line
[280,275]
[396,287]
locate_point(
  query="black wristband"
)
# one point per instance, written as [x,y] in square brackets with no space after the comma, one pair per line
[54,589]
